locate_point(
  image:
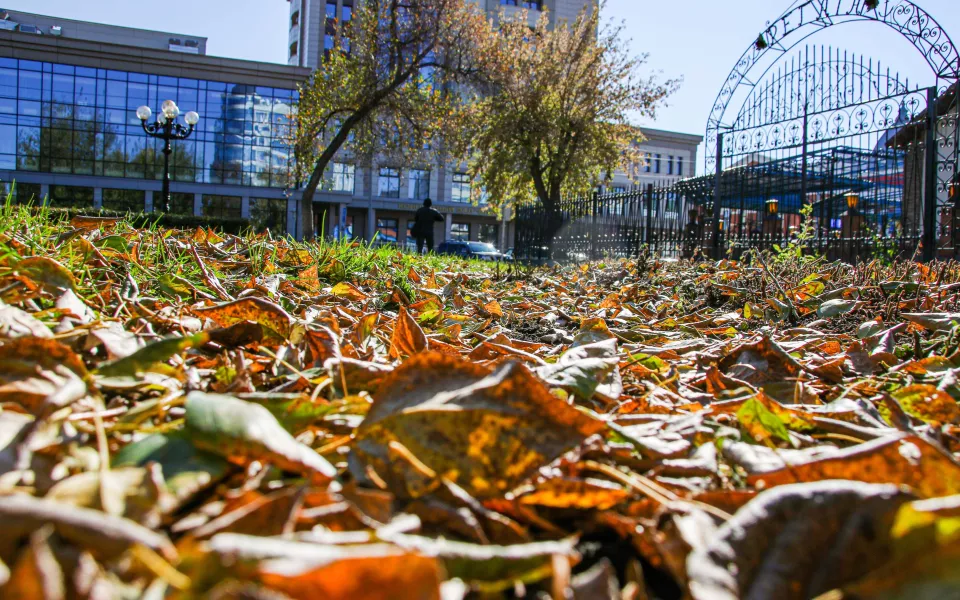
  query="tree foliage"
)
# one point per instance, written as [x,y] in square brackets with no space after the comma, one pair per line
[384,88]
[554,109]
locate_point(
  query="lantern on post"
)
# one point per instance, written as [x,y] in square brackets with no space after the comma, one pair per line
[773,205]
[853,200]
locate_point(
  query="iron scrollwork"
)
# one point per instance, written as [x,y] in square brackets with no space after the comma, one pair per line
[804,19]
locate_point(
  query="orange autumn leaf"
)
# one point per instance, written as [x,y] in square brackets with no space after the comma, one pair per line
[493,307]
[903,460]
[276,321]
[408,338]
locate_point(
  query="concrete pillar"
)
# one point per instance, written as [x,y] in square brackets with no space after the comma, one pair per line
[441,195]
[44,193]
[293,228]
[507,239]
[98,198]
[197,205]
[341,220]
[371,222]
[447,226]
[148,201]
[245,207]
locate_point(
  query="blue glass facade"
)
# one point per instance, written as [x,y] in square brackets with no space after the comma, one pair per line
[58,118]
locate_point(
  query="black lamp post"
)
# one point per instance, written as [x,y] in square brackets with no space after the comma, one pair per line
[167,129]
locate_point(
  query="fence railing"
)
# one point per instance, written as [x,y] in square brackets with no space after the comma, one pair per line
[669,222]
[619,224]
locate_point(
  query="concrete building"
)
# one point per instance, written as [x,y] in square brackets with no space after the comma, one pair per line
[69,133]
[667,157]
[311,21]
[14,20]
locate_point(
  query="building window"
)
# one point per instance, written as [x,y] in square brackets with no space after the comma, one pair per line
[76,120]
[680,166]
[460,232]
[328,42]
[180,204]
[461,188]
[528,4]
[221,207]
[389,182]
[656,163]
[387,231]
[123,200]
[617,189]
[27,193]
[68,196]
[419,184]
[269,214]
[293,49]
[343,177]
[331,10]
[670,165]
[347,14]
[294,19]
[489,232]
[646,162]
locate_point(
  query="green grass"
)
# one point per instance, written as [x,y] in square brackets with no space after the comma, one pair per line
[159,255]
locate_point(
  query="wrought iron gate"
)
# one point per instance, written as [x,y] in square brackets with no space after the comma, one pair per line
[870,157]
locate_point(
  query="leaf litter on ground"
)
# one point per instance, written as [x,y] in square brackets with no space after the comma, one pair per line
[188,414]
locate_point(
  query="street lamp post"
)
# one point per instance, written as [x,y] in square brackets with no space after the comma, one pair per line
[167,129]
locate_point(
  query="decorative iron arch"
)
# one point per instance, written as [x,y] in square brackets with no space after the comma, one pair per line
[821,95]
[807,17]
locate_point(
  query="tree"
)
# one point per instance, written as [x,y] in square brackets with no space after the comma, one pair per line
[385,89]
[552,116]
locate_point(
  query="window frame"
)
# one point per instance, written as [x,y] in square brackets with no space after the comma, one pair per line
[379,230]
[339,179]
[393,176]
[414,184]
[454,233]
[456,191]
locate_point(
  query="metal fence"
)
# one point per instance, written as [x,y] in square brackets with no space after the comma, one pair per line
[655,220]
[674,221]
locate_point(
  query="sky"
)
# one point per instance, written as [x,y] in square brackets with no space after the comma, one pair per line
[698,40]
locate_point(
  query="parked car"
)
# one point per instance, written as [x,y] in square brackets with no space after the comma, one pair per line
[470,250]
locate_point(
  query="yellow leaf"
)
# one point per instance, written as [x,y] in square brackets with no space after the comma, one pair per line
[348,291]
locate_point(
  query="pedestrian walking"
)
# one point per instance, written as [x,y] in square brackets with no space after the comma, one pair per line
[422,229]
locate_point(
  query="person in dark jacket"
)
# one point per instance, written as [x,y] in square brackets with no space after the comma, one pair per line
[423,222]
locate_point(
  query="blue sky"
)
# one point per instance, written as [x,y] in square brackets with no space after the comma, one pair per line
[699,40]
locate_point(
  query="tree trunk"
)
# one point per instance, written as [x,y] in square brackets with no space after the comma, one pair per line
[550,201]
[306,213]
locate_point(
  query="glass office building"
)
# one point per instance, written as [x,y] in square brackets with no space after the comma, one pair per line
[58,118]
[69,131]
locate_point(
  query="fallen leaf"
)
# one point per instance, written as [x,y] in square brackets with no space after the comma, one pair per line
[40,374]
[485,430]
[796,542]
[903,460]
[408,338]
[348,291]
[275,321]
[243,431]
[17,323]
